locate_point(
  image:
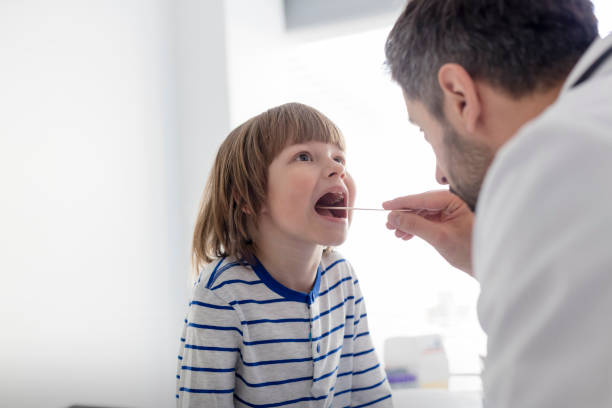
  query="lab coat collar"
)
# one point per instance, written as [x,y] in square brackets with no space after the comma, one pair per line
[599,46]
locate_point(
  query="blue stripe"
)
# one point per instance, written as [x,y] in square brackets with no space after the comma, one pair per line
[225,268]
[194,347]
[208,369]
[182,339]
[210,306]
[356,281]
[232,281]
[333,308]
[264,362]
[247,322]
[178,377]
[296,320]
[271,341]
[228,266]
[177,396]
[328,354]
[201,391]
[378,384]
[259,302]
[332,265]
[359,300]
[362,334]
[180,357]
[370,403]
[207,326]
[356,322]
[366,370]
[357,354]
[279,404]
[328,333]
[267,362]
[212,275]
[305,340]
[325,375]
[374,367]
[335,285]
[267,384]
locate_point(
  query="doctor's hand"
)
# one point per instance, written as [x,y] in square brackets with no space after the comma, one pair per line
[442,219]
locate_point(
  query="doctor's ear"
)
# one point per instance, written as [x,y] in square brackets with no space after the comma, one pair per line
[460,96]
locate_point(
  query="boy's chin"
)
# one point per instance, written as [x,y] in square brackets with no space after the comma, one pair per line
[333,241]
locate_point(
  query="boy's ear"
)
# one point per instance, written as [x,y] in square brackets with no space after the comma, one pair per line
[461,100]
[243,207]
[238,202]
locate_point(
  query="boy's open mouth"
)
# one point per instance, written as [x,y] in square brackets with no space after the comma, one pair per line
[332,200]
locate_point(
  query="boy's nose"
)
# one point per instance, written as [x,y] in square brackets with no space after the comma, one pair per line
[337,169]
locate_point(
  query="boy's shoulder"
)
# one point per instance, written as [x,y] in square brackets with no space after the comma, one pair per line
[335,261]
[221,271]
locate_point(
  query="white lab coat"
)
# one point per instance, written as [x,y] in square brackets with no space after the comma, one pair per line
[543,253]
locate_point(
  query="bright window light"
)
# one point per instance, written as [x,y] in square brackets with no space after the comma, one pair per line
[409,288]
[603,10]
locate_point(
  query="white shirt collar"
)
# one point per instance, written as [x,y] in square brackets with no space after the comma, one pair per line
[599,46]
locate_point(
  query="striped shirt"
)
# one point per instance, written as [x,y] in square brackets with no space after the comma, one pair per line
[249,341]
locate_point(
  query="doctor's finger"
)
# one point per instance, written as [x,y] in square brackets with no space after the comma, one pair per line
[436,200]
[403,235]
[399,233]
[412,224]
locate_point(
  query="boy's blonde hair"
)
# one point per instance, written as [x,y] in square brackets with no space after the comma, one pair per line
[237,185]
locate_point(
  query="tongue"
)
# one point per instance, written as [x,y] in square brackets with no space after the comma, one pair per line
[338,213]
[325,211]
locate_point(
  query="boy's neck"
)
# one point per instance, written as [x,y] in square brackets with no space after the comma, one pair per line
[292,265]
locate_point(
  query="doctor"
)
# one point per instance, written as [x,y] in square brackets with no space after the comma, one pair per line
[515,98]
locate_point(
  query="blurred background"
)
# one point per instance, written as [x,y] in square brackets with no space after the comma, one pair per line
[111,113]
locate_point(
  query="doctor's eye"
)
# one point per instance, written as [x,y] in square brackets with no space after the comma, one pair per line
[303,156]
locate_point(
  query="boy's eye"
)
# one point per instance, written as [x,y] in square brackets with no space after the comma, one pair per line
[304,156]
[340,160]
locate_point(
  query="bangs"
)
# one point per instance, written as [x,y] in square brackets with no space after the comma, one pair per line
[295,123]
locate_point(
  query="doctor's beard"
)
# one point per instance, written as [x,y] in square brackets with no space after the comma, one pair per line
[468,163]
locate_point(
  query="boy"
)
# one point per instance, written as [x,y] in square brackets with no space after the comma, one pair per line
[277,318]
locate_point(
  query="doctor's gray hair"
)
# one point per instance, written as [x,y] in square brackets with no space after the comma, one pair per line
[518,46]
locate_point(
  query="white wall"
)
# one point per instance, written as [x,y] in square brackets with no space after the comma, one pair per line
[203,98]
[256,49]
[97,175]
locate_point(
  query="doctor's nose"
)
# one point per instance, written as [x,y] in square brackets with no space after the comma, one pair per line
[440,177]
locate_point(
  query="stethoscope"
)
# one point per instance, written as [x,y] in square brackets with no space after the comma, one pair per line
[594,66]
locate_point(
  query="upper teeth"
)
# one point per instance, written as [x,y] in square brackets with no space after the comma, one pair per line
[338,197]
